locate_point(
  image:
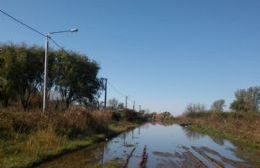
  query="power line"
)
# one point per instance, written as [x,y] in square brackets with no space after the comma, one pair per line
[121,94]
[54,42]
[22,23]
[31,28]
[115,89]
[58,45]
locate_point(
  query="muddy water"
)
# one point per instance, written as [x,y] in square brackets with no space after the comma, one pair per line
[167,146]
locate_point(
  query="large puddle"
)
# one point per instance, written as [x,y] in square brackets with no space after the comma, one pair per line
[166,146]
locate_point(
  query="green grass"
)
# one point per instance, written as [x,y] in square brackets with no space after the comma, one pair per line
[46,145]
[246,148]
[21,157]
[119,127]
[222,134]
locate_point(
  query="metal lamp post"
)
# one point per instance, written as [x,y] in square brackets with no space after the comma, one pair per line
[47,36]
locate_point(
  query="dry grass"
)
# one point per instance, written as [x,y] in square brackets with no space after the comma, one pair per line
[43,140]
[30,137]
[242,126]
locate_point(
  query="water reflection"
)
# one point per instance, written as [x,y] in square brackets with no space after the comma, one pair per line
[167,146]
[192,135]
[218,140]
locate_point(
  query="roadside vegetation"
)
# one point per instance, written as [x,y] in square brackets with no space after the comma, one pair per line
[74,119]
[240,124]
[164,117]
[28,138]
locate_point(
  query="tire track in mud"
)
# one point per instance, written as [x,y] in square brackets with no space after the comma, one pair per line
[196,157]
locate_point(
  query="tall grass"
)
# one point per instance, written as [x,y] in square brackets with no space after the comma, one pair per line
[244,126]
[43,140]
[71,123]
[26,137]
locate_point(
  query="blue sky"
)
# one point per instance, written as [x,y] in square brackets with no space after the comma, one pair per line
[163,54]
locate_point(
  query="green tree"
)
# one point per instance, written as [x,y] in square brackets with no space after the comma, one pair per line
[7,73]
[195,108]
[76,78]
[22,67]
[73,75]
[218,105]
[245,100]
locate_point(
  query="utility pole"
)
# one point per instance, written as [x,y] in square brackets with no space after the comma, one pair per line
[140,108]
[105,101]
[126,102]
[105,92]
[134,106]
[45,73]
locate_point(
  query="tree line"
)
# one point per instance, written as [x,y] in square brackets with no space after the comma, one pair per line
[71,76]
[246,101]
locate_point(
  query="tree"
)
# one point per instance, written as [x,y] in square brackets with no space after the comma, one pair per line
[76,78]
[30,70]
[239,106]
[218,105]
[121,106]
[195,108]
[166,114]
[22,68]
[113,103]
[245,100]
[73,75]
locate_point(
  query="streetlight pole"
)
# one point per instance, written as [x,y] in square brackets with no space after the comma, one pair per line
[45,73]
[45,90]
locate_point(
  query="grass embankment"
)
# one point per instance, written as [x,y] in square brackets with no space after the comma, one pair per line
[30,138]
[241,128]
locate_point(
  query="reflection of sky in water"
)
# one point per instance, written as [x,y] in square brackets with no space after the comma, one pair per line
[119,147]
[176,141]
[164,139]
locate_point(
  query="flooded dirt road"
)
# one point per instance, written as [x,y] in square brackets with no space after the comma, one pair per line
[166,146]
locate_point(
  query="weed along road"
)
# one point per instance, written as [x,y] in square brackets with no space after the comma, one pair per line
[154,145]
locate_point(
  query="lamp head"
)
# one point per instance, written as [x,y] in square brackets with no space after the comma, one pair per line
[74,29]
